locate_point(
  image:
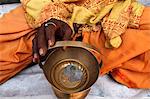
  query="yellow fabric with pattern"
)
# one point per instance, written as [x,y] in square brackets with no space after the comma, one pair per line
[137,7]
[116,23]
[34,7]
[119,8]
[69,0]
[82,15]
[105,10]
[115,16]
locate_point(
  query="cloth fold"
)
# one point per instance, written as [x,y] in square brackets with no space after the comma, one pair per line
[15,43]
[130,63]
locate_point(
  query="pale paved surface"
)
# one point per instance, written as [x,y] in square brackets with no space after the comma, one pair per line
[50,97]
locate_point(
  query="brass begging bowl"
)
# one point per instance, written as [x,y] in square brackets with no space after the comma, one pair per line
[71,72]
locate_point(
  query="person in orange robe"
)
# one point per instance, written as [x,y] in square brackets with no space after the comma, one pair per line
[128,64]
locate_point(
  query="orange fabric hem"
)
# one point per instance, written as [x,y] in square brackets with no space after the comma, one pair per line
[118,76]
[12,72]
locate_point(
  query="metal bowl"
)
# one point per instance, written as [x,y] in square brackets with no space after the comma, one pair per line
[71,71]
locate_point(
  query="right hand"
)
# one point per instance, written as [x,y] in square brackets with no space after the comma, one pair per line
[47,35]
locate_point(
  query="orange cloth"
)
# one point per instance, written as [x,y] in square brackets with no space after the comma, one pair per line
[130,63]
[15,44]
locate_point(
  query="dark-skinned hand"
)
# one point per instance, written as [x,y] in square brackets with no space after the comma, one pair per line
[47,35]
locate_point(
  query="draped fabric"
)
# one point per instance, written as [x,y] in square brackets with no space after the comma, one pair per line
[129,64]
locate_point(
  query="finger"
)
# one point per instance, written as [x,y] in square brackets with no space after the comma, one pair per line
[50,34]
[76,27]
[35,58]
[35,50]
[60,29]
[67,33]
[63,30]
[42,43]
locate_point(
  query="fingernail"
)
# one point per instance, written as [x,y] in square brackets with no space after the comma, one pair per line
[41,51]
[35,56]
[34,60]
[50,43]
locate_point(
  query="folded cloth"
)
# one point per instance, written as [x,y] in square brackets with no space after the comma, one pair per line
[130,63]
[15,43]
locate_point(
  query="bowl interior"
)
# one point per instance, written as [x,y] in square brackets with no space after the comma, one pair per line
[71,70]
